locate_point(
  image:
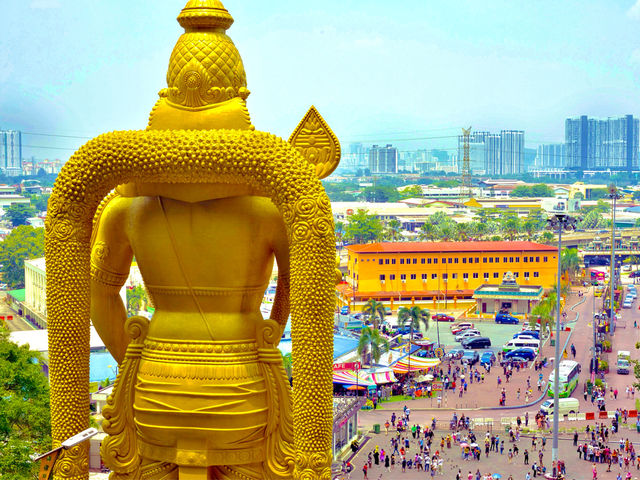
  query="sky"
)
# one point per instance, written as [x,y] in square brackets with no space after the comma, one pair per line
[378,72]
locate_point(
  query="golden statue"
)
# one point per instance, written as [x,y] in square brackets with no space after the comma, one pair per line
[205,203]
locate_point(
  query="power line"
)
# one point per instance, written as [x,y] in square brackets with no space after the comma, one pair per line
[56,135]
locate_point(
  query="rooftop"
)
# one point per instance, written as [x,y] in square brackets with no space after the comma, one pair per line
[442,247]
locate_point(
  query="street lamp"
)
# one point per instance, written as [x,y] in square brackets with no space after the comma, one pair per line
[558,222]
[48,460]
[613,195]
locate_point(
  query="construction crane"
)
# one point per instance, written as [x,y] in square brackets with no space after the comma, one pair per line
[465,171]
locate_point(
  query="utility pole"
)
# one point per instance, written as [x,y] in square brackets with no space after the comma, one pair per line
[465,171]
[614,195]
[558,222]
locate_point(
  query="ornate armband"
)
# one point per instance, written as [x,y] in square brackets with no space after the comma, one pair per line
[108,279]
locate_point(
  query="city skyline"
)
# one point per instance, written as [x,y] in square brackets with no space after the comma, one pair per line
[496,66]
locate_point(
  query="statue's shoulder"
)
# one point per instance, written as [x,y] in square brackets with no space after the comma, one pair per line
[112,209]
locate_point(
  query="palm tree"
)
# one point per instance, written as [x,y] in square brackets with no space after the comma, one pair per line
[414,316]
[372,339]
[394,229]
[570,261]
[375,310]
[427,231]
[511,226]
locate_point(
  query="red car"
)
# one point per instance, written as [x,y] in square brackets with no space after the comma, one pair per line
[443,317]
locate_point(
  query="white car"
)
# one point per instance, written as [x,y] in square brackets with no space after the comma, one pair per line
[467,334]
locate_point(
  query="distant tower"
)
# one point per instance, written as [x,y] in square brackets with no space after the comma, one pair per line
[465,171]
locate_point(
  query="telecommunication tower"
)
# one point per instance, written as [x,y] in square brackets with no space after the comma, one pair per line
[465,171]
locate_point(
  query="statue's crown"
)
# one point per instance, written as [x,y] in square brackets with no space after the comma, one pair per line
[205,67]
[206,82]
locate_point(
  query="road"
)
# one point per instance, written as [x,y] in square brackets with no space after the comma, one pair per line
[17,323]
[482,399]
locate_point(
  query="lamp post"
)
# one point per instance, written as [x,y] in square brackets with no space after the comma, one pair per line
[613,195]
[558,222]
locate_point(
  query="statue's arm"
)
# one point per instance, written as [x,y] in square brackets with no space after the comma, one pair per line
[280,310]
[111,257]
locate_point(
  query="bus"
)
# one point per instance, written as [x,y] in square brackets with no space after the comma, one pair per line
[569,373]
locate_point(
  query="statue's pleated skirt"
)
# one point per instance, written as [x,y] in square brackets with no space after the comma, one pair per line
[201,403]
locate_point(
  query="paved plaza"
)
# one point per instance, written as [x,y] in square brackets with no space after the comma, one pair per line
[481,402]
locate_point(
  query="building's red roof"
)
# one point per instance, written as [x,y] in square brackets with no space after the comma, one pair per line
[347,292]
[438,247]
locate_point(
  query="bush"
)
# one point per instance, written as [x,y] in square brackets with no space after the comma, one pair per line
[603,366]
[598,381]
[606,345]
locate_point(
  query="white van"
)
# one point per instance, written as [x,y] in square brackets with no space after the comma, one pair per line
[565,407]
[520,343]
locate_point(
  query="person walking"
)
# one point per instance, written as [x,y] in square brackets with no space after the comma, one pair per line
[526,456]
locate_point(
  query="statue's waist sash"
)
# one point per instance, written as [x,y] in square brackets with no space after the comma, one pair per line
[201,403]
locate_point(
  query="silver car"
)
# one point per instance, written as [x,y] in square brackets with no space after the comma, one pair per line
[467,334]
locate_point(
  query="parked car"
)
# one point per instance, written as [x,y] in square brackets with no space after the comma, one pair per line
[344,310]
[524,352]
[454,354]
[476,342]
[459,327]
[523,336]
[470,356]
[471,332]
[506,318]
[443,317]
[487,357]
[387,310]
[514,359]
[531,333]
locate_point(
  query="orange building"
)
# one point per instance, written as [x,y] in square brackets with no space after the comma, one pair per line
[402,272]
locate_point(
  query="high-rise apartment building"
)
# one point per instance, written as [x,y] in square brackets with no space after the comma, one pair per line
[493,154]
[551,155]
[383,159]
[11,152]
[511,152]
[599,144]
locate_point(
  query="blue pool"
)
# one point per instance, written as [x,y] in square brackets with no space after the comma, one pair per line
[99,366]
[341,345]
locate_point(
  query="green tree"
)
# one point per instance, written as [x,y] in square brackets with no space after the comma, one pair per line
[598,193]
[363,228]
[287,363]
[18,213]
[23,243]
[136,299]
[25,426]
[521,191]
[414,317]
[381,194]
[393,230]
[511,226]
[547,237]
[414,191]
[542,190]
[375,310]
[39,202]
[372,340]
[578,196]
[570,261]
[427,231]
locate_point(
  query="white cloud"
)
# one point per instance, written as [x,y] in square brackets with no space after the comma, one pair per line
[44,4]
[634,11]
